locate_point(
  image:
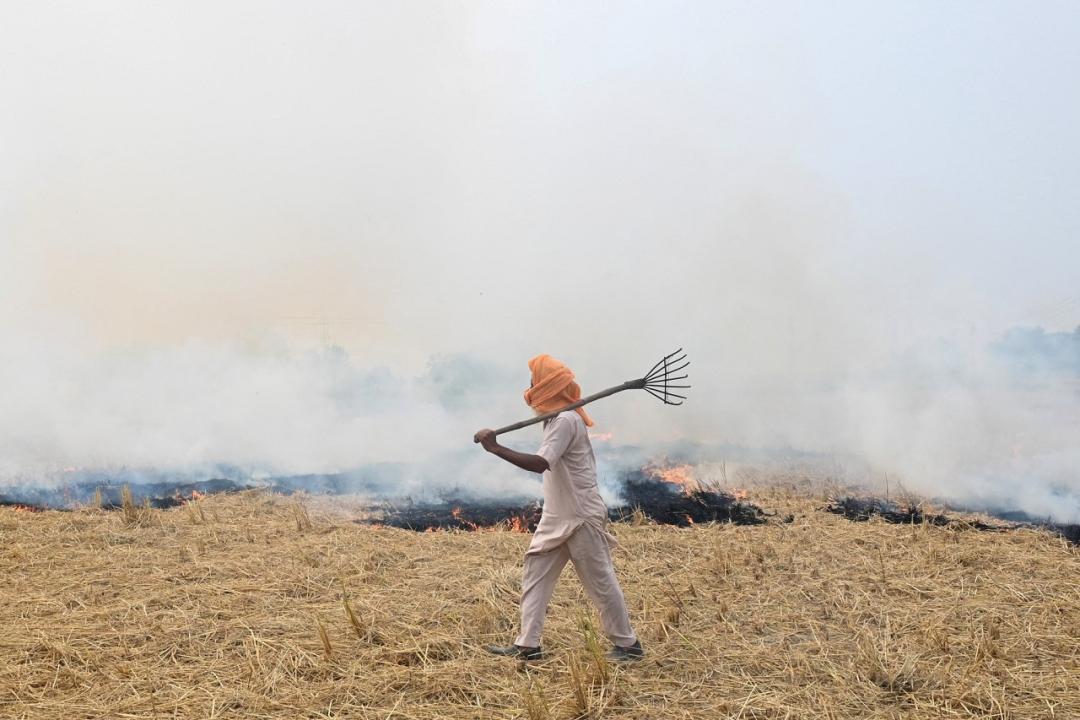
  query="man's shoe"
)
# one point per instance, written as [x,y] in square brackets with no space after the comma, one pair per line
[516,651]
[624,654]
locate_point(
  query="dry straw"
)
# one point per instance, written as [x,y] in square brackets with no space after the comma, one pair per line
[263,607]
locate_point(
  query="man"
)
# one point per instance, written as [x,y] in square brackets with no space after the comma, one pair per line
[573,525]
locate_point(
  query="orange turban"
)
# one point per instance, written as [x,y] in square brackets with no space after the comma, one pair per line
[553,387]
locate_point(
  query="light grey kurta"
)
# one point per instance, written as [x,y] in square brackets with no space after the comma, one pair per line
[571,495]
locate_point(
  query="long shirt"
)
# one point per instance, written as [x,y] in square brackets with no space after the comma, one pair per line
[571,496]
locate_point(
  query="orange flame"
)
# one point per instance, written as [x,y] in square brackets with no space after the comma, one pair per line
[681,475]
[685,476]
[456,512]
[195,495]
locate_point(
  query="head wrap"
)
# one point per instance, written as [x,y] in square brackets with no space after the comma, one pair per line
[553,387]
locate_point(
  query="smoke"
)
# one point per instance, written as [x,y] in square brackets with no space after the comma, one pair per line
[1001,437]
[299,241]
[978,430]
[271,409]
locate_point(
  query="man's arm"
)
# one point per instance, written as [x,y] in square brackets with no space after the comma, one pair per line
[525,461]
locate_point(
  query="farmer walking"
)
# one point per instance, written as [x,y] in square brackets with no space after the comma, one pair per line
[573,525]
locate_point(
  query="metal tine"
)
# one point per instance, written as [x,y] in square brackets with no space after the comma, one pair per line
[671,379]
[674,360]
[658,364]
[670,364]
[656,395]
[667,372]
[673,370]
[667,385]
[664,398]
[671,394]
[661,397]
[661,362]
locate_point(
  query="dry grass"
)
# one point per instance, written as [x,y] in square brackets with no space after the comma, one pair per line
[260,607]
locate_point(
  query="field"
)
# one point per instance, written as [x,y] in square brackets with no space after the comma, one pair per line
[261,606]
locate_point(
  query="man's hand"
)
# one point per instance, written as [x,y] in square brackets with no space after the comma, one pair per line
[486,437]
[532,463]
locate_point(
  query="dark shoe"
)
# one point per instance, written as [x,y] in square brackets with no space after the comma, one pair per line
[516,651]
[624,654]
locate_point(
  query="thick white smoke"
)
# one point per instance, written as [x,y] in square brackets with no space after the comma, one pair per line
[195,206]
[1000,437]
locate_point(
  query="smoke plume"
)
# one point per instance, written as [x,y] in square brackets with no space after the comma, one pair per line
[294,240]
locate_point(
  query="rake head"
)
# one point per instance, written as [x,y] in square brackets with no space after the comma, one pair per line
[658,382]
[662,378]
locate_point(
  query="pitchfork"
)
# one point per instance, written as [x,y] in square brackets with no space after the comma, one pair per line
[658,382]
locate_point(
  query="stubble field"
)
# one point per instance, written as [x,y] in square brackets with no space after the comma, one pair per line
[261,606]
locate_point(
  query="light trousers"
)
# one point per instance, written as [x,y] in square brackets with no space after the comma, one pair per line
[588,550]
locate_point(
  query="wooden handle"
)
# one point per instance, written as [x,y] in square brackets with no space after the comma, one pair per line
[628,385]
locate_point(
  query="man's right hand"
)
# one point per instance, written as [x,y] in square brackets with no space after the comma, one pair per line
[486,437]
[532,463]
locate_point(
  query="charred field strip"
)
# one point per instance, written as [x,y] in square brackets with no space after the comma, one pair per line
[643,494]
[254,604]
[456,514]
[861,509]
[644,497]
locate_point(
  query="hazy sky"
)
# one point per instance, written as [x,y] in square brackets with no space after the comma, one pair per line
[415,172]
[791,190]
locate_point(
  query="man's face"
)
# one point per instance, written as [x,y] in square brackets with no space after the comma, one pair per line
[535,411]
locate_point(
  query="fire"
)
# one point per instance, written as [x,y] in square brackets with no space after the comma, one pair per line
[456,512]
[681,475]
[511,523]
[686,477]
[461,516]
[514,524]
[195,495]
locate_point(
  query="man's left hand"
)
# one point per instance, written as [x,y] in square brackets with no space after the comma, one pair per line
[486,437]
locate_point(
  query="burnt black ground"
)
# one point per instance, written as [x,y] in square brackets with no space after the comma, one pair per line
[861,509]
